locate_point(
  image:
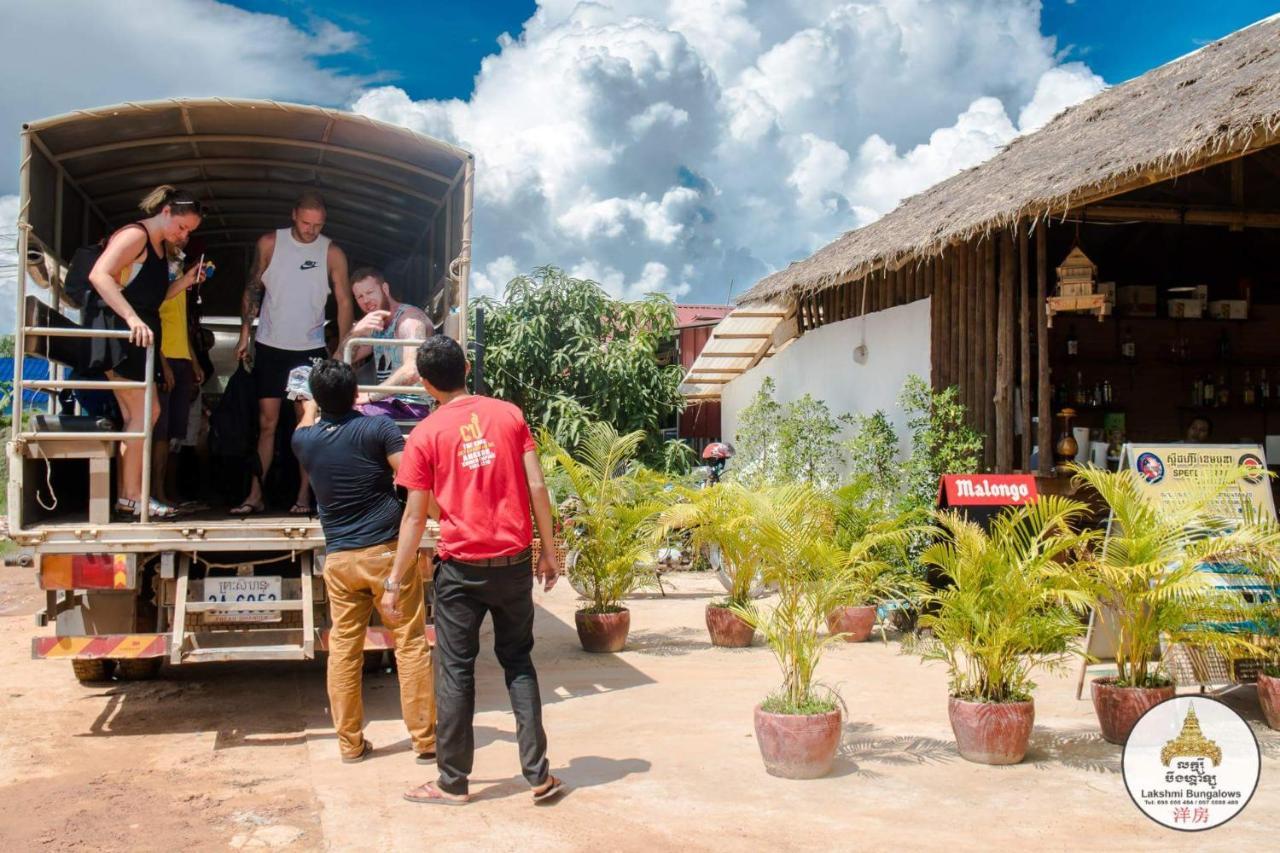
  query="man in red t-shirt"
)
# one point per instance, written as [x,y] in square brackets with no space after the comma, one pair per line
[472,465]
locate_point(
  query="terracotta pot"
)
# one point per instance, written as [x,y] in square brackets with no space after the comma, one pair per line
[798,746]
[728,629]
[854,622]
[991,732]
[1269,698]
[1118,708]
[603,632]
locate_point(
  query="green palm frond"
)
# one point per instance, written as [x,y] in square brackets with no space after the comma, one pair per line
[1151,576]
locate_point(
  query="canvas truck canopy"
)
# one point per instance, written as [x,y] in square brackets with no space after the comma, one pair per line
[396,199]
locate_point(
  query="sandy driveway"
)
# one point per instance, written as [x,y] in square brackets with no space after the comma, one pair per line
[656,741]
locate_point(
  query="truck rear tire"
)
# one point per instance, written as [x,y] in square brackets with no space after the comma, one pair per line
[138,669]
[92,671]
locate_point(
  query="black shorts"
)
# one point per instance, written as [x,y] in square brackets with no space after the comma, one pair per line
[175,404]
[271,367]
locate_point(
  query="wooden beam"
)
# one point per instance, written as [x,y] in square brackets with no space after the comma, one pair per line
[742,336]
[1006,355]
[1264,137]
[1192,215]
[763,315]
[1044,429]
[705,354]
[1024,343]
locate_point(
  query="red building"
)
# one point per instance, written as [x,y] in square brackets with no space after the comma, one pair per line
[700,422]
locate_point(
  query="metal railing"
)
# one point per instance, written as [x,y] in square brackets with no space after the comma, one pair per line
[389,390]
[147,386]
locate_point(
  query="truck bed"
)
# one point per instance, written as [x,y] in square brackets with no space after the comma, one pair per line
[213,530]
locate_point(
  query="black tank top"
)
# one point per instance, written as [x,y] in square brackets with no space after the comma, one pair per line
[147,289]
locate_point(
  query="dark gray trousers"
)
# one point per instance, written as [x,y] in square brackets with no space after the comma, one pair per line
[463,594]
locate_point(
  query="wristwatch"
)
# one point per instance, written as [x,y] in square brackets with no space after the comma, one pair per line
[391,586]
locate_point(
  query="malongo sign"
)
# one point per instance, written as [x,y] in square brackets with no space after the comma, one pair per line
[957,490]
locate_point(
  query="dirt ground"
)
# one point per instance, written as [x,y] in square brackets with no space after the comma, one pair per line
[657,743]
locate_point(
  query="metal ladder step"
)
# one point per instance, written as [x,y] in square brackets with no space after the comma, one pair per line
[181,651]
[227,653]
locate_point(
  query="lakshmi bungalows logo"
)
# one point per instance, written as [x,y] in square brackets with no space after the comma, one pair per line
[1191,763]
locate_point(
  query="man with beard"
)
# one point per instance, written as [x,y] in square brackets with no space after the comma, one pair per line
[386,317]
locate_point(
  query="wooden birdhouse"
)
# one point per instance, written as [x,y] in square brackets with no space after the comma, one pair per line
[1078,287]
[1077,274]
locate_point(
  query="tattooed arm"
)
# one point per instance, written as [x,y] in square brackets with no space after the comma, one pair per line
[251,301]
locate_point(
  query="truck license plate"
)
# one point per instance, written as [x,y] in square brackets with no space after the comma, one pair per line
[231,590]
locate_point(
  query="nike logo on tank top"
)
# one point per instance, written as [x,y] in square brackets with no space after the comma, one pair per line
[297,288]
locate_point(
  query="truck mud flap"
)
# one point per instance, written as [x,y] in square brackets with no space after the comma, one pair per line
[118,646]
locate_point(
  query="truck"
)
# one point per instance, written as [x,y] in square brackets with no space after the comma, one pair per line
[124,596]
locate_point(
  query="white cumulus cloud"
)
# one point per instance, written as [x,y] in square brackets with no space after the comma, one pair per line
[684,146]
[75,54]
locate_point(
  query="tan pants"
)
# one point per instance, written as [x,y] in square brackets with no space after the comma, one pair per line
[354,580]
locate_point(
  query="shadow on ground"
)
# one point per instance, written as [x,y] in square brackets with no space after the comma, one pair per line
[272,704]
[861,746]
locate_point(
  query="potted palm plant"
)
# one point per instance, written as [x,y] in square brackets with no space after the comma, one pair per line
[1147,582]
[798,726]
[1005,612]
[609,533]
[723,517]
[876,567]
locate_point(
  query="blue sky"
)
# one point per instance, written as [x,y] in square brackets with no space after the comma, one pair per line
[1120,39]
[430,49]
[433,49]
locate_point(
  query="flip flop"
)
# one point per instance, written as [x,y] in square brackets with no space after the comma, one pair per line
[555,789]
[300,509]
[435,796]
[247,508]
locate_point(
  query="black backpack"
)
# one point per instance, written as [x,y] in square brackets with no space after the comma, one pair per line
[76,287]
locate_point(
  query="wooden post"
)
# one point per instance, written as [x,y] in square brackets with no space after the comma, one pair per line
[963,333]
[1006,355]
[953,295]
[936,340]
[1044,430]
[1024,346]
[973,288]
[991,314]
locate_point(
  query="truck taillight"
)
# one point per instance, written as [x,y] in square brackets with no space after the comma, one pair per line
[86,571]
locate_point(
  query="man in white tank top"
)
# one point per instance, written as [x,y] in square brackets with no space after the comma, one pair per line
[294,270]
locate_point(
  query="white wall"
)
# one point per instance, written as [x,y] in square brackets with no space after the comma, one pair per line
[821,363]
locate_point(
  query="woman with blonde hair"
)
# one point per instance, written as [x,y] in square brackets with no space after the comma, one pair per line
[130,282]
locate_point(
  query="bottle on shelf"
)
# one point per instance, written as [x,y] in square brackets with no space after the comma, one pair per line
[1210,392]
[1073,343]
[1106,392]
[1248,394]
[1224,391]
[1197,392]
[1264,389]
[1128,347]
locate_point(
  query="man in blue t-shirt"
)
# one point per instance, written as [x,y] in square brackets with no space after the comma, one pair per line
[352,462]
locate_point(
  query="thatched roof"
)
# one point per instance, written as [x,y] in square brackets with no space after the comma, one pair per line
[1209,105]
